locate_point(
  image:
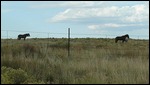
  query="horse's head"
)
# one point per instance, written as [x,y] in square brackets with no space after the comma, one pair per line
[127,36]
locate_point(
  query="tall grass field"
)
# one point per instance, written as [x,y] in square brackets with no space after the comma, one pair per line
[91,61]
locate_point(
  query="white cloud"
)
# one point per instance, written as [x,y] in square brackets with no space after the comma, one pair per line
[108,25]
[102,16]
[111,25]
[77,13]
[136,13]
[60,16]
[93,27]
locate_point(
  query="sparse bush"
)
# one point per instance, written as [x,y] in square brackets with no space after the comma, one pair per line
[16,76]
[13,76]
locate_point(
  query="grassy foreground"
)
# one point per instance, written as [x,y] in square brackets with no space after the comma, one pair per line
[91,61]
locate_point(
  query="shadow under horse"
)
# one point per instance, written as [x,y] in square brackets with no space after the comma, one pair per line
[124,38]
[23,36]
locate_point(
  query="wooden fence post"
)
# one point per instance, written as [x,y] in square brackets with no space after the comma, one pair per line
[68,42]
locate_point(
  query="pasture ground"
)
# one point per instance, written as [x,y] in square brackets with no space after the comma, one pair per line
[91,61]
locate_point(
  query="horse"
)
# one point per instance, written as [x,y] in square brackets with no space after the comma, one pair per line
[23,36]
[124,38]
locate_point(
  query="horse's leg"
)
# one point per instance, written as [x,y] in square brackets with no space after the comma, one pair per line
[116,40]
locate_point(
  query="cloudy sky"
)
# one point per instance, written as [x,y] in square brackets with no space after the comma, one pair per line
[84,18]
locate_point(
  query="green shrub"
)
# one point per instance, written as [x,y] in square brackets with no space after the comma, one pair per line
[17,76]
[13,76]
[5,79]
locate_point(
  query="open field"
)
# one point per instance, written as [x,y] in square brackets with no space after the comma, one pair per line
[91,61]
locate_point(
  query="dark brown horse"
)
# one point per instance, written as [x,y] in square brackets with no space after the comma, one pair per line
[124,38]
[23,36]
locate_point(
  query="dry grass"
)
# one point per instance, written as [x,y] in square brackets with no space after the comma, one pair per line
[91,61]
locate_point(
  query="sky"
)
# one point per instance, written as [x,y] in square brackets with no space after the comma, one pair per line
[95,19]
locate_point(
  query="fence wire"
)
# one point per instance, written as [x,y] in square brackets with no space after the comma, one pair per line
[48,40]
[12,34]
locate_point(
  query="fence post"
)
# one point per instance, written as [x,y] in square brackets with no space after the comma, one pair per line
[48,38]
[7,38]
[68,42]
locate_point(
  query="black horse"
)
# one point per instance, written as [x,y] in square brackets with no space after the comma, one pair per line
[124,38]
[23,36]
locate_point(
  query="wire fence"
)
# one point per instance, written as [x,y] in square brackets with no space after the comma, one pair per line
[9,37]
[13,34]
